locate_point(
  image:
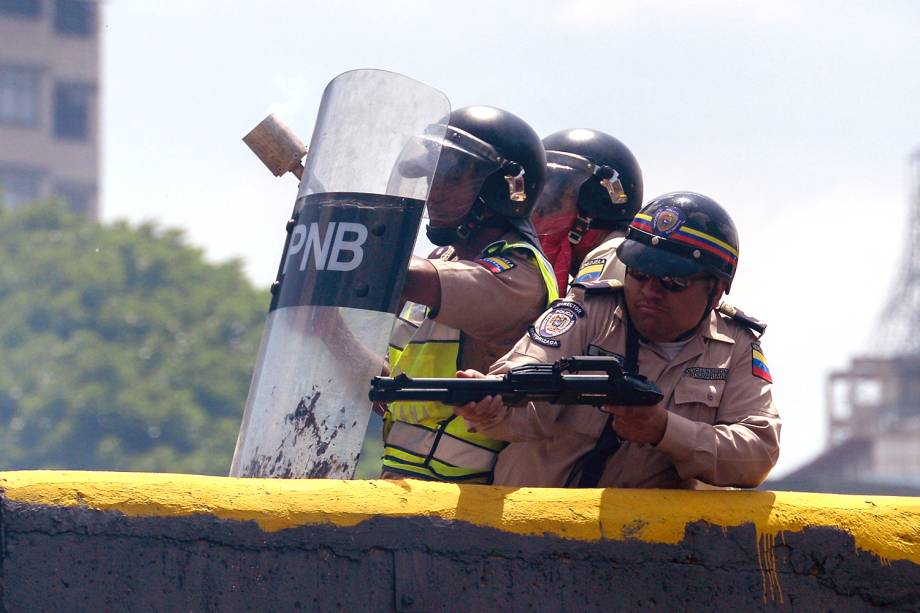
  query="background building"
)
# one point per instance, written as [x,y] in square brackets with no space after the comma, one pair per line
[873,406]
[49,109]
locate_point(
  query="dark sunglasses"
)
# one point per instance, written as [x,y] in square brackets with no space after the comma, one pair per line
[671,284]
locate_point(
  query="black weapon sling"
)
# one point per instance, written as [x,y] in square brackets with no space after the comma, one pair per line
[591,465]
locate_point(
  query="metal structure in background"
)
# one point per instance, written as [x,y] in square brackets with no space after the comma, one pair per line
[873,407]
[899,329]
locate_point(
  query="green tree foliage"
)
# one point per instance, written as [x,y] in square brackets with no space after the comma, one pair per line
[122,348]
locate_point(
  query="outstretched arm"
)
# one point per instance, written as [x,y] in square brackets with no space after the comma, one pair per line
[422,284]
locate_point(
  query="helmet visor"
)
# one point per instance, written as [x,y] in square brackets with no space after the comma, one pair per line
[656,261]
[557,205]
[465,163]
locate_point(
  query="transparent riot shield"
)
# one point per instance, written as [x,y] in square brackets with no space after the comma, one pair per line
[341,273]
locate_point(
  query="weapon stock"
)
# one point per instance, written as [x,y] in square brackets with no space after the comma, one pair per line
[558,383]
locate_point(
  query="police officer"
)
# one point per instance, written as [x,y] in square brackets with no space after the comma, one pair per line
[717,423]
[475,296]
[593,190]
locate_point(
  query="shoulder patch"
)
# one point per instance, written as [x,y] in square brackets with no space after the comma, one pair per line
[568,304]
[560,318]
[752,323]
[707,374]
[603,286]
[496,264]
[759,366]
[557,321]
[590,270]
[541,340]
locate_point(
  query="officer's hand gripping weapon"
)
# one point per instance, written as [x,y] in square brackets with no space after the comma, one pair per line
[558,383]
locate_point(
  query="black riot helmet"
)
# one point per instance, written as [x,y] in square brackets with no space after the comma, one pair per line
[681,234]
[593,181]
[491,169]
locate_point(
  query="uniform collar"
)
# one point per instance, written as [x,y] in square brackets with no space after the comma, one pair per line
[618,233]
[619,313]
[509,237]
[713,328]
[716,328]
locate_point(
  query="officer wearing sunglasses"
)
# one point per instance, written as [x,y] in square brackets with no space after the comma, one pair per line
[716,425]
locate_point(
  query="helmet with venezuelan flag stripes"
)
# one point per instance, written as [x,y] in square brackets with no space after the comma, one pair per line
[679,235]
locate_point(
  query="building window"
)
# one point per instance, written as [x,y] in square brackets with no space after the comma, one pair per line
[76,17]
[79,197]
[72,102]
[19,187]
[21,8]
[18,95]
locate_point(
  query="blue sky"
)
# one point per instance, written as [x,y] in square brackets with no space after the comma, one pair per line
[797,117]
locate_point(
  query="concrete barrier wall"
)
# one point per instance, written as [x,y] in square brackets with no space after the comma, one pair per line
[124,541]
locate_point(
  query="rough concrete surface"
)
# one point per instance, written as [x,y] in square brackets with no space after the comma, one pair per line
[79,559]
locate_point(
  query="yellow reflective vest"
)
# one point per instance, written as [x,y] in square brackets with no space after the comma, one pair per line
[425,439]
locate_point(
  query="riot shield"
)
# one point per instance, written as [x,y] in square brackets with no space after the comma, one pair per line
[341,274]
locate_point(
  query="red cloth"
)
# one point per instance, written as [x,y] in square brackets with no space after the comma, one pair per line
[562,253]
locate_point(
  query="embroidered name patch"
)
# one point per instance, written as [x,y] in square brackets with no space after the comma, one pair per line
[496,264]
[759,366]
[708,374]
[535,337]
[590,270]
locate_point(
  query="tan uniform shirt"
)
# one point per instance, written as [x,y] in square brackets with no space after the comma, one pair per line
[602,262]
[490,302]
[722,427]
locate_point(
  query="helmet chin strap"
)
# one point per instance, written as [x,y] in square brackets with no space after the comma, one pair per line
[441,236]
[579,228]
[471,222]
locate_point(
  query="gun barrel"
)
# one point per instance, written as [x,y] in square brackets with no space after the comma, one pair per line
[593,390]
[409,383]
[450,391]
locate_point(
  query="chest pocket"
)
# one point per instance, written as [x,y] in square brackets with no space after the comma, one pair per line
[698,399]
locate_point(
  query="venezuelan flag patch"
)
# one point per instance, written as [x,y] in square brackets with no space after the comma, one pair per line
[590,270]
[759,366]
[496,264]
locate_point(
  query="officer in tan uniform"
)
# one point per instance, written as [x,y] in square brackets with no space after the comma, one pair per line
[475,296]
[717,423]
[593,189]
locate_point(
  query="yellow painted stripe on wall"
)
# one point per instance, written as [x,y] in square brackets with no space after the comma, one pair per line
[887,526]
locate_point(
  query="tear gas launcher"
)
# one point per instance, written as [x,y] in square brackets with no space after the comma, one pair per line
[558,383]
